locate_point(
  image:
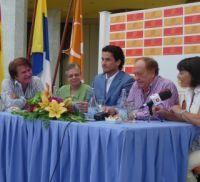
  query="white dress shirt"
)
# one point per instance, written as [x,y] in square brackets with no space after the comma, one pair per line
[193,105]
[109,81]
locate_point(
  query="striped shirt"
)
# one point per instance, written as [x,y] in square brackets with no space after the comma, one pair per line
[10,87]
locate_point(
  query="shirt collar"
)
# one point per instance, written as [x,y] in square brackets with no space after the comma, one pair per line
[195,90]
[112,77]
[152,84]
[17,83]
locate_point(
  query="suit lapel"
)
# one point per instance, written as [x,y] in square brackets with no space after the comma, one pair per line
[103,86]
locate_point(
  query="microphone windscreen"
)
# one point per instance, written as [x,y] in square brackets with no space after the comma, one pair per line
[165,94]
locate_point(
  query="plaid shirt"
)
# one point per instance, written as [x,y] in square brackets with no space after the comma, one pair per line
[10,87]
[159,84]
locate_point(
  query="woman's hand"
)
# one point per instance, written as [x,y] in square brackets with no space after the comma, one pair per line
[176,109]
[173,114]
[83,106]
[197,170]
[159,111]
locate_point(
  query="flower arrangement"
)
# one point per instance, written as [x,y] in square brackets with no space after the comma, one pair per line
[45,107]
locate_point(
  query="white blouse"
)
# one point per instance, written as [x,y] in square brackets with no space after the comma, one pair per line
[194,107]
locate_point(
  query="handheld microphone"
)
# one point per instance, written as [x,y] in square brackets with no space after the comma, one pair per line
[157,98]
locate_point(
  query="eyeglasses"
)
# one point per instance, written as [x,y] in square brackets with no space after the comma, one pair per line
[73,76]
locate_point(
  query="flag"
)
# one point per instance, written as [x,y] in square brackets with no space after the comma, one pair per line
[40,47]
[76,47]
[1,54]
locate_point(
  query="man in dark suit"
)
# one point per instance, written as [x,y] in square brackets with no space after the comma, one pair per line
[109,84]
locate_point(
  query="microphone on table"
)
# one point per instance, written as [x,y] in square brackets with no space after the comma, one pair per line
[156,99]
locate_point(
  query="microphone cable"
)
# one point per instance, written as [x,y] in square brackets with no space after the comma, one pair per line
[61,145]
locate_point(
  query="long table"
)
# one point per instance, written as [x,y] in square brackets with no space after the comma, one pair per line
[93,151]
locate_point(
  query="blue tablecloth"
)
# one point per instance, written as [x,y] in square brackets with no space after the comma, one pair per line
[93,151]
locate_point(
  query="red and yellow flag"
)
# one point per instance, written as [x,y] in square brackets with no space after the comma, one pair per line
[76,47]
[1,54]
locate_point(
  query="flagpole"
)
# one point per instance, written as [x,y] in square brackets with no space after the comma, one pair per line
[28,56]
[62,42]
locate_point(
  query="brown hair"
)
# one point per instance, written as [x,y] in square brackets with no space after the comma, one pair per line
[117,53]
[150,63]
[192,66]
[15,63]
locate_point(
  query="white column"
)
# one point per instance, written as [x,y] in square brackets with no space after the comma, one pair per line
[54,21]
[14,23]
[104,29]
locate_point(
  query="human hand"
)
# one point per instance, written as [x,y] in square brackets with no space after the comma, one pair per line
[159,111]
[83,106]
[176,109]
[197,170]
[131,116]
[12,95]
[110,110]
[156,110]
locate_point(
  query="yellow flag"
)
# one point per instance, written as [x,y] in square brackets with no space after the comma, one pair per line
[76,47]
[1,54]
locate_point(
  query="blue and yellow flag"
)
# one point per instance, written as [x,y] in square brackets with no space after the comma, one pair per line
[1,54]
[40,47]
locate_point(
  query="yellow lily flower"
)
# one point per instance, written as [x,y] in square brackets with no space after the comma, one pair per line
[67,101]
[45,101]
[55,109]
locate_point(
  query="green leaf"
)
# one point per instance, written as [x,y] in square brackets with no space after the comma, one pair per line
[35,100]
[42,115]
